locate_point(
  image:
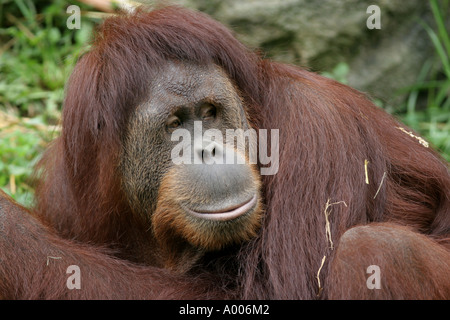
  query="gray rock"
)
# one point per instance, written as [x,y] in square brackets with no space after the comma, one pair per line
[320,34]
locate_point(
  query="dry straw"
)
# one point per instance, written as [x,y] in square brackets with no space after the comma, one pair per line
[327,221]
[381,183]
[366,162]
[328,236]
[409,133]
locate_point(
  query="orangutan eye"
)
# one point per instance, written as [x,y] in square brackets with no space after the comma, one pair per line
[173,123]
[208,112]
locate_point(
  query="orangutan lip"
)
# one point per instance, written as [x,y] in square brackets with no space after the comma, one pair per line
[227,213]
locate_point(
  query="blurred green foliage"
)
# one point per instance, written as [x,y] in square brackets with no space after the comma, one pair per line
[38,52]
[37,56]
[427,108]
[21,145]
[432,119]
[339,73]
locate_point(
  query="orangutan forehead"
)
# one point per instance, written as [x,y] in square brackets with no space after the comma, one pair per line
[179,84]
[185,78]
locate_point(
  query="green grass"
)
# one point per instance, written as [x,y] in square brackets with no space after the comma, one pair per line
[38,52]
[22,142]
[427,107]
[37,56]
[433,83]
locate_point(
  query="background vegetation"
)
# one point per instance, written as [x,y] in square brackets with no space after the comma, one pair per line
[38,52]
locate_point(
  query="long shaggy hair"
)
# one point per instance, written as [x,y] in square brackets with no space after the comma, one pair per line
[343,161]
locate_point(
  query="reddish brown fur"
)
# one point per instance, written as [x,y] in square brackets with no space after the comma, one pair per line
[411,265]
[327,131]
[34,262]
